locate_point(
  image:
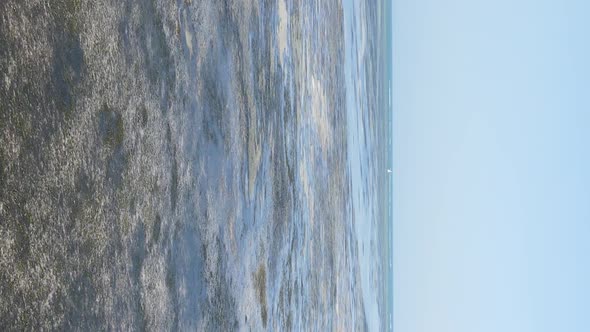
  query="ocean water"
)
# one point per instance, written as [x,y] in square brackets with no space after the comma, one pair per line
[367,76]
[190,165]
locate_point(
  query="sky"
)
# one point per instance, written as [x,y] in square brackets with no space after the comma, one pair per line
[491,103]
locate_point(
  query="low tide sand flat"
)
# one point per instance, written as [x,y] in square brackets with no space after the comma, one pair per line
[175,165]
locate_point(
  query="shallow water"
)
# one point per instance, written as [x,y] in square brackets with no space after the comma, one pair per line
[179,165]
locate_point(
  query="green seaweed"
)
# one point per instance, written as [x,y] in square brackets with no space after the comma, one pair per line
[260,285]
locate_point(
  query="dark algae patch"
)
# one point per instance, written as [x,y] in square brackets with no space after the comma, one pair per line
[260,285]
[111,127]
[112,131]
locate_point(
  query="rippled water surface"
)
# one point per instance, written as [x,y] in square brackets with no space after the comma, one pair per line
[185,165]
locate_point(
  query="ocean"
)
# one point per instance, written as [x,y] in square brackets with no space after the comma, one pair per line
[193,165]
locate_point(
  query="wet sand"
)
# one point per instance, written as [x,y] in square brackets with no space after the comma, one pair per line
[172,165]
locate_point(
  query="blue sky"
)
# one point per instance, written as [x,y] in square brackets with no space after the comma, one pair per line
[491,105]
